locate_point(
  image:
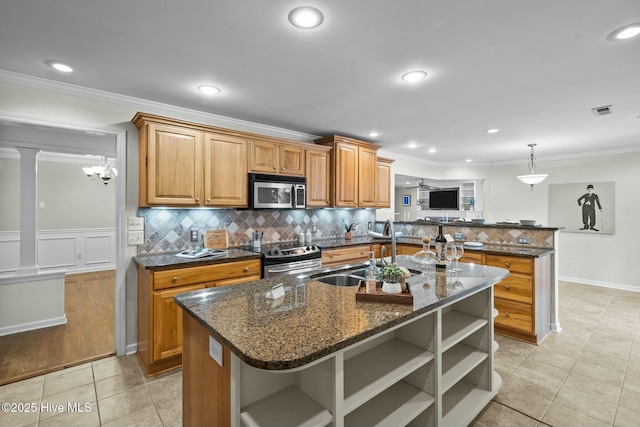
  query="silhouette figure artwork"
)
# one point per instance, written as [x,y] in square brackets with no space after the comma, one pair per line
[589,201]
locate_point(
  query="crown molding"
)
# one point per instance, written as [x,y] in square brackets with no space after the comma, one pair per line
[140,104]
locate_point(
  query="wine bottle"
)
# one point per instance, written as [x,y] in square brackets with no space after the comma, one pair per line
[441,241]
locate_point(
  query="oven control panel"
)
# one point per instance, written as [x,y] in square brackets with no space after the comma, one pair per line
[291,252]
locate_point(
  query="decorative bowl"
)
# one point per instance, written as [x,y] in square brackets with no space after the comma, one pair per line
[477,220]
[527,222]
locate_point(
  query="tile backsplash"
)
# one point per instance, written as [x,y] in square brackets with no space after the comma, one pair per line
[168,230]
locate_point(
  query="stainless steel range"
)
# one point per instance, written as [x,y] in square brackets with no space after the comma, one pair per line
[282,259]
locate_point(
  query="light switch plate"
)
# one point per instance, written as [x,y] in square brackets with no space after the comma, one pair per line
[215,350]
[458,236]
[135,223]
[522,240]
[135,238]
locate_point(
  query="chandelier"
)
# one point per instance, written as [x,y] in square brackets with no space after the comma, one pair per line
[532,178]
[104,171]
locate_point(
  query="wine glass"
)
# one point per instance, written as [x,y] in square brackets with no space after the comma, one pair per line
[450,254]
[459,253]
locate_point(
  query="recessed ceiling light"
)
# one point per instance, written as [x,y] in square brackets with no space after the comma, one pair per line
[492,130]
[431,150]
[468,160]
[60,66]
[626,32]
[373,134]
[306,17]
[209,90]
[414,76]
[412,145]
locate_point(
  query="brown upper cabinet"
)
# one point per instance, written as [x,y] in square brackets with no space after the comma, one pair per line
[189,164]
[274,158]
[383,183]
[318,177]
[354,167]
[185,164]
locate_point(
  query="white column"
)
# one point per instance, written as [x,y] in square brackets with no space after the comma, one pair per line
[28,210]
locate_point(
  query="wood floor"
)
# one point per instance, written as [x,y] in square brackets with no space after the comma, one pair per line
[88,335]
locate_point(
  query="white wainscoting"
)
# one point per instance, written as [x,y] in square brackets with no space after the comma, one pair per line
[77,251]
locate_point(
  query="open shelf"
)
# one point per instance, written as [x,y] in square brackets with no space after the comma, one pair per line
[456,326]
[458,362]
[287,407]
[371,372]
[396,406]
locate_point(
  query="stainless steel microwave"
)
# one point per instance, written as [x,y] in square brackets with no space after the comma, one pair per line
[277,192]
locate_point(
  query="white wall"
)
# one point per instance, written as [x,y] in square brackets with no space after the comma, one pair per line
[605,260]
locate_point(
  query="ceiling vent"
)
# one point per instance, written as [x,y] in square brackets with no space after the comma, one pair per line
[603,111]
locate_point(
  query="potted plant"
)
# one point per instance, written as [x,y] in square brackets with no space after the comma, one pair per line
[348,228]
[392,275]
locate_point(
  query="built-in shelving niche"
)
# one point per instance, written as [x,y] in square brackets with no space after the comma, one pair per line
[434,370]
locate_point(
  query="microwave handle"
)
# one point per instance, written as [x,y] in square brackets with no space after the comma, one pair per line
[293,196]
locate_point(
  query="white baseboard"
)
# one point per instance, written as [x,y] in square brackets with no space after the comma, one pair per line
[598,283]
[24,327]
[131,349]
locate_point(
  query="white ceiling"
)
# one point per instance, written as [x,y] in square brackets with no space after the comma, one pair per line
[533,69]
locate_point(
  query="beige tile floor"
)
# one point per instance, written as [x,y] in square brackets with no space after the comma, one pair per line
[588,375]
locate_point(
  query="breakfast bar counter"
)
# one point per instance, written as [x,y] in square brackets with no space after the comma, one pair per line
[316,356]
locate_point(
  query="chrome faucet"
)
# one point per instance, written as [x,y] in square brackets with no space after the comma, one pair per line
[388,230]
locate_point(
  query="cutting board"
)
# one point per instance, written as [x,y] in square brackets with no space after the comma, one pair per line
[216,239]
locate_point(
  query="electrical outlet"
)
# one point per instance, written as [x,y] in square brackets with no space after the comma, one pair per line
[569,264]
[135,223]
[458,236]
[79,256]
[194,235]
[314,228]
[523,240]
[369,225]
[135,238]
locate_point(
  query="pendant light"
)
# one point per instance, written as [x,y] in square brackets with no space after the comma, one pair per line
[532,178]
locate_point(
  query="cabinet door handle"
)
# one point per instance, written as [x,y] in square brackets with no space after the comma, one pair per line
[246,269]
[506,287]
[275,168]
[328,202]
[198,199]
[208,199]
[506,264]
[332,256]
[175,279]
[506,314]
[283,168]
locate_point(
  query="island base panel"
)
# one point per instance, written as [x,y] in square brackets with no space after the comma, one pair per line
[206,395]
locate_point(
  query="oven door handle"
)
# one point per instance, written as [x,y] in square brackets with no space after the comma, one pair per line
[296,266]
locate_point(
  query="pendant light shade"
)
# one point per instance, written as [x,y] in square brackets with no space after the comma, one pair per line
[532,178]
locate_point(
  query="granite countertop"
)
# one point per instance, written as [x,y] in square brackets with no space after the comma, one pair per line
[170,260]
[488,248]
[471,224]
[493,249]
[315,319]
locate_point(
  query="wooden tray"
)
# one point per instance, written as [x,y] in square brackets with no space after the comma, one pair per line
[379,296]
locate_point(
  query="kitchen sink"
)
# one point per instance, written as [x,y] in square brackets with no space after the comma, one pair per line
[340,279]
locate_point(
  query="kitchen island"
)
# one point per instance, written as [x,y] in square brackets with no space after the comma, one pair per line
[318,357]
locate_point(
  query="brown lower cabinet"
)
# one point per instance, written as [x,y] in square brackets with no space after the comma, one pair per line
[522,299]
[160,318]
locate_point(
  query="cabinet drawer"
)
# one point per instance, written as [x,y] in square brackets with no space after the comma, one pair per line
[345,255]
[474,257]
[205,273]
[514,315]
[513,264]
[516,287]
